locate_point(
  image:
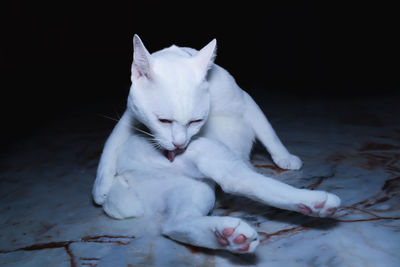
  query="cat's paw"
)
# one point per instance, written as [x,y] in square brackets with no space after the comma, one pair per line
[325,206]
[290,162]
[99,195]
[101,188]
[238,237]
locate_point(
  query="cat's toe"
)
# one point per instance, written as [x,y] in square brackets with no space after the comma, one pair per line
[222,240]
[290,162]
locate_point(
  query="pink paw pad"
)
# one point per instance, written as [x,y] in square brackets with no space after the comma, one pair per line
[319,205]
[240,239]
[244,248]
[221,239]
[228,231]
[304,209]
[331,211]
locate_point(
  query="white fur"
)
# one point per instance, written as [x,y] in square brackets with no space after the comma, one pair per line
[135,178]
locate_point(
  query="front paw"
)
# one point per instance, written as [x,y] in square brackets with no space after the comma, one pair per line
[101,188]
[99,195]
[237,236]
[290,162]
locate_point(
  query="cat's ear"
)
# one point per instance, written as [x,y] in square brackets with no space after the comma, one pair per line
[205,57]
[141,66]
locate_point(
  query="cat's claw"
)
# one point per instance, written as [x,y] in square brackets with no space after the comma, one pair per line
[290,162]
[239,239]
[322,208]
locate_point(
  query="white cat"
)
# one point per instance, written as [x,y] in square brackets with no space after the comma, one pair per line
[202,130]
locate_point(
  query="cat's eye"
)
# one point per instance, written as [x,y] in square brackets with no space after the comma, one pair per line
[195,121]
[165,121]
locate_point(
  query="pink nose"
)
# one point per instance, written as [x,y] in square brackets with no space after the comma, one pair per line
[177,145]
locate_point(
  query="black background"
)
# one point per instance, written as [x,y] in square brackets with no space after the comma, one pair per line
[58,57]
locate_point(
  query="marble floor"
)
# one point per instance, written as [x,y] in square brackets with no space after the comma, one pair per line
[349,147]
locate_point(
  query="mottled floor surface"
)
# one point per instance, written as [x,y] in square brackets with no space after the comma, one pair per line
[349,147]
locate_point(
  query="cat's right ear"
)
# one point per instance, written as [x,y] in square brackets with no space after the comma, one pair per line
[141,66]
[205,57]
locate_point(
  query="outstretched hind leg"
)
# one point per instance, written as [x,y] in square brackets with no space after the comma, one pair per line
[187,222]
[122,201]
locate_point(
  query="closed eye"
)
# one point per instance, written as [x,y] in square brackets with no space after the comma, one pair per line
[165,121]
[195,121]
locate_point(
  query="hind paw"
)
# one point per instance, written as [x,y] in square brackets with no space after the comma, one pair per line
[324,207]
[240,238]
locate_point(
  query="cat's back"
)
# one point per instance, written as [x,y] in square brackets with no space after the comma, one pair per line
[226,95]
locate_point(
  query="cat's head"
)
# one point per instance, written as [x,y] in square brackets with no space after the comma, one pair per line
[169,92]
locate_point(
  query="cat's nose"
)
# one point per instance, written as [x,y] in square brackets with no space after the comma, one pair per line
[178,145]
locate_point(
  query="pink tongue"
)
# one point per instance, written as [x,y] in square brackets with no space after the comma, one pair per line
[171,155]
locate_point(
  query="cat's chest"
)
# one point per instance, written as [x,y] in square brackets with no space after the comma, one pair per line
[139,153]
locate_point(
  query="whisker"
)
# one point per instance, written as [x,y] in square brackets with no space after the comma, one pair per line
[116,113]
[132,127]
[107,117]
[155,144]
[140,130]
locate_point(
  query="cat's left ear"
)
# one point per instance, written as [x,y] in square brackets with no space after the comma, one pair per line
[205,57]
[141,66]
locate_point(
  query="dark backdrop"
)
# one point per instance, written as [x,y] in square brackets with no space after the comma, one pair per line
[58,57]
